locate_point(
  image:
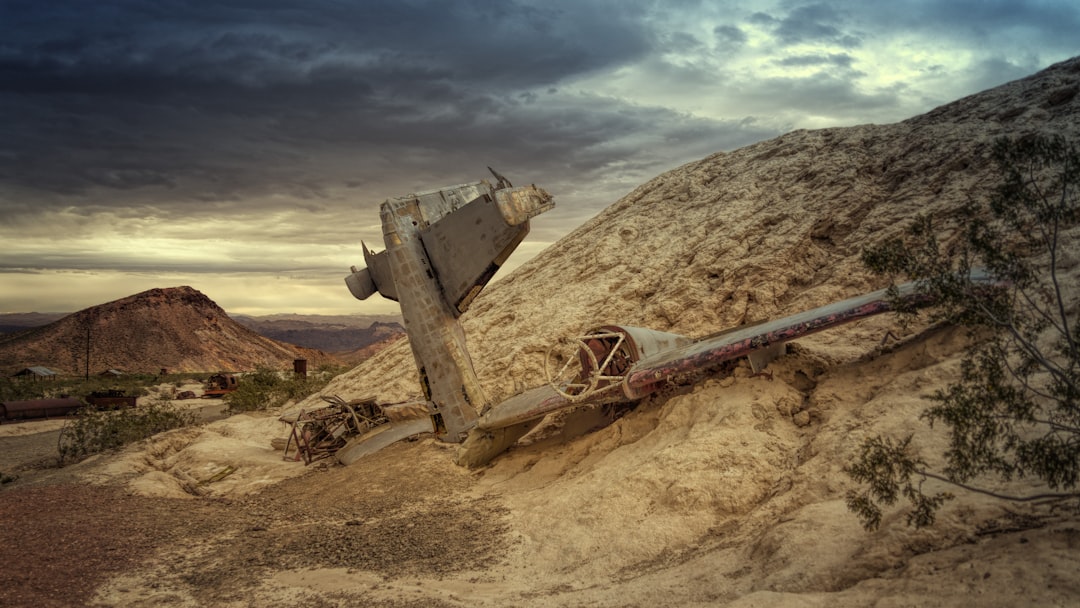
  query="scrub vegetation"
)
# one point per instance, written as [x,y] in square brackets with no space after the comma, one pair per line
[1014,411]
[266,388]
[93,431]
[134,385]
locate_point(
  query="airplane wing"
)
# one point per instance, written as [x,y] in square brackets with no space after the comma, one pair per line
[531,404]
[380,437]
[765,338]
[467,246]
[765,341]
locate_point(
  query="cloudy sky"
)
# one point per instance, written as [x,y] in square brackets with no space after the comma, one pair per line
[242,147]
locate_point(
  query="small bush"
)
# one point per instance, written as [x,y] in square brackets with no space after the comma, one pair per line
[266,388]
[94,431]
[258,390]
[1014,410]
[21,389]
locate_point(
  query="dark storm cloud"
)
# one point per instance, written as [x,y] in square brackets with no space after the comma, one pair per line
[808,23]
[730,34]
[510,43]
[842,60]
[990,27]
[184,107]
[813,23]
[847,23]
[729,39]
[1006,38]
[212,104]
[248,138]
[823,94]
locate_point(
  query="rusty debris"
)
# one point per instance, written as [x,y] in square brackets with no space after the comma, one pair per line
[219,385]
[320,433]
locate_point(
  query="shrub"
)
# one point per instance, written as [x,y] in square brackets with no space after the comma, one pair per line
[1015,409]
[93,431]
[265,388]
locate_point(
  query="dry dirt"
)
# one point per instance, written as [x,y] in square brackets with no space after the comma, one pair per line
[728,491]
[219,551]
[707,495]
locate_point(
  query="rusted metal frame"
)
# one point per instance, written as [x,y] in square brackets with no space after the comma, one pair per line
[323,432]
[620,338]
[331,437]
[316,434]
[294,438]
[602,371]
[592,369]
[586,359]
[362,423]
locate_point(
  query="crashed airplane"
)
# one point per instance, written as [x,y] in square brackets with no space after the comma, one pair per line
[442,248]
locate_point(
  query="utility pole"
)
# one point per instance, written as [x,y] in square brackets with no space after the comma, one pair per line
[87,347]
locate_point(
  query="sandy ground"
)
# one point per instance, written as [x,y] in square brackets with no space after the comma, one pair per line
[708,495]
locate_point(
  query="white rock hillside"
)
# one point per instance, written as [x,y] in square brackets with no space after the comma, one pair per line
[715,495]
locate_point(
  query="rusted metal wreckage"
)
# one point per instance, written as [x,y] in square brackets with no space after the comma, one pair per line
[442,248]
[58,407]
[322,432]
[219,385]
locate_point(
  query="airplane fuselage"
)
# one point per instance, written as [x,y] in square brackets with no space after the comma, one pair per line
[436,338]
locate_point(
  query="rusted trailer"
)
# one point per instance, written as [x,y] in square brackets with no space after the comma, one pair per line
[63,406]
[39,408]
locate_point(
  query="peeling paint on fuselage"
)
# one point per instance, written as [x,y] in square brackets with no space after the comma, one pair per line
[435,336]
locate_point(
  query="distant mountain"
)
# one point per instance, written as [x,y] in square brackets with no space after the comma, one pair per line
[356,321]
[178,329]
[18,321]
[337,334]
[354,357]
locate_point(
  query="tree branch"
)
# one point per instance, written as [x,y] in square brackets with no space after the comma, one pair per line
[969,488]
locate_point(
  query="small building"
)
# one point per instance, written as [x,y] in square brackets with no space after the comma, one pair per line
[37,373]
[114,373]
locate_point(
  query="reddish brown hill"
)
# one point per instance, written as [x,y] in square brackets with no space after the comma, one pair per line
[176,328]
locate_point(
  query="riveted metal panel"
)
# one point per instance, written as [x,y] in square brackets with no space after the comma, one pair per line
[465,248]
